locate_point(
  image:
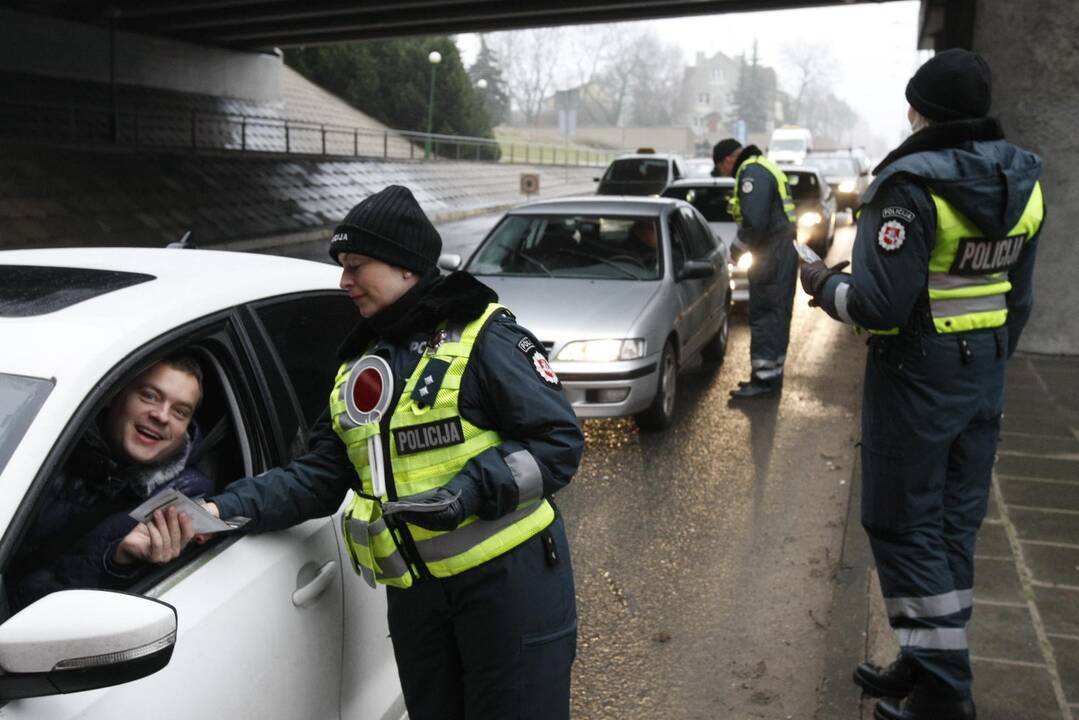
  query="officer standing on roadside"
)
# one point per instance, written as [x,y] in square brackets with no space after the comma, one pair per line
[943,264]
[452,430]
[761,204]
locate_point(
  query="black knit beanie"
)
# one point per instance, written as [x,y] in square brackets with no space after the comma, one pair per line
[392,227]
[723,148]
[952,85]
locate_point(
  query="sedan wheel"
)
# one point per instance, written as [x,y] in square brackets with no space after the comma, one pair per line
[659,414]
[716,348]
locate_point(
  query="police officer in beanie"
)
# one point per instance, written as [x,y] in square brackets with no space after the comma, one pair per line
[453,432]
[943,263]
[761,204]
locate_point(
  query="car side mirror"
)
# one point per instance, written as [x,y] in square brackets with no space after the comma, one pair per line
[696,270]
[75,640]
[449,261]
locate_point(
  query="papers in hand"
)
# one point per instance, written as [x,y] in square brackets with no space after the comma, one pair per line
[201,519]
[806,253]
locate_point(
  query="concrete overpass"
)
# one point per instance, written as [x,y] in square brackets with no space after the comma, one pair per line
[226,47]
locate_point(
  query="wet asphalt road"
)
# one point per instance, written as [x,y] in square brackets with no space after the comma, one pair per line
[704,556]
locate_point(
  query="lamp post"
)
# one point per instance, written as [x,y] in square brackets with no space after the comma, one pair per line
[434,58]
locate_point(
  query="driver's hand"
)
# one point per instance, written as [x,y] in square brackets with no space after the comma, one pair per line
[160,540]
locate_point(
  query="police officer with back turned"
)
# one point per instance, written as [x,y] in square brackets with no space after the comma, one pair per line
[761,204]
[942,279]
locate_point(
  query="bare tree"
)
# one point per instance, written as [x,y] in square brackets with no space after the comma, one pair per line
[531,60]
[657,83]
[812,66]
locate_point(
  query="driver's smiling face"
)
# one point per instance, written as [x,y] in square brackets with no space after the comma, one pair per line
[148,420]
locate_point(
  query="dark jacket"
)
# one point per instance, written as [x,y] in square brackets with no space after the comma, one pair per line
[84,516]
[502,389]
[765,229]
[972,166]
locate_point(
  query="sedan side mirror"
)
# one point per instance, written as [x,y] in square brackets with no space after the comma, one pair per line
[76,640]
[449,261]
[696,270]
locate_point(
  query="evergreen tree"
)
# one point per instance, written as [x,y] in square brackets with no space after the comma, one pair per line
[495,97]
[390,80]
[752,94]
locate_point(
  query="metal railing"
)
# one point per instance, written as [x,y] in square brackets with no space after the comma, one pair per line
[197,130]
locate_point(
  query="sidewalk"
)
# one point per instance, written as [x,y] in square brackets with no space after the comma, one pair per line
[1024,636]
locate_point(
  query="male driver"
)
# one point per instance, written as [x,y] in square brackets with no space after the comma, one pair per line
[82,537]
[761,204]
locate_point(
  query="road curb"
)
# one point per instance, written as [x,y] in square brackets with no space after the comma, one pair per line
[838,697]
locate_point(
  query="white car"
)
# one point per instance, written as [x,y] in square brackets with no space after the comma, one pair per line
[271,626]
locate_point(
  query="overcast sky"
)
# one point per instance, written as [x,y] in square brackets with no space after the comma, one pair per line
[875,46]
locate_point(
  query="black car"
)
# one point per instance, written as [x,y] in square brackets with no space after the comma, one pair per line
[642,173]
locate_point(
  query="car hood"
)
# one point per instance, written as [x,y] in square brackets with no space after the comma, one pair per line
[559,310]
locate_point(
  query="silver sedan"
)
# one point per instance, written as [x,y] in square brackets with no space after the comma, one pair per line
[622,292]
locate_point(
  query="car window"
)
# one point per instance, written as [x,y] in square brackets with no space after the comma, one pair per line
[20,399]
[638,170]
[157,428]
[803,185]
[679,243]
[710,200]
[834,165]
[678,174]
[305,332]
[699,245]
[27,290]
[599,247]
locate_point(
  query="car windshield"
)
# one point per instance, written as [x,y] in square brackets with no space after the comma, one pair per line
[803,185]
[637,170]
[20,399]
[710,200]
[571,246]
[789,145]
[834,166]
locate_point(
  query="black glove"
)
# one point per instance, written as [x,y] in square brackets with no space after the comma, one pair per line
[815,275]
[438,509]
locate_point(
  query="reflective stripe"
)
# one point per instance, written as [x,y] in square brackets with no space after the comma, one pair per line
[468,536]
[932,638]
[917,607]
[758,364]
[527,475]
[950,307]
[389,566]
[966,598]
[841,303]
[768,374]
[940,282]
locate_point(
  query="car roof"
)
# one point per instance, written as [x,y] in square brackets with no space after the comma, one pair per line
[786,167]
[597,204]
[105,328]
[648,156]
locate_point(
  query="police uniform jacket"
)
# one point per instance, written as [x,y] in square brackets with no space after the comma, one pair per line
[503,388]
[765,229]
[969,164]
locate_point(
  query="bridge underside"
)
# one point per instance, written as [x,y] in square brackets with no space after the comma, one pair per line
[264,24]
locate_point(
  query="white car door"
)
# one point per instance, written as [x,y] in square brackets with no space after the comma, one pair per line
[259,617]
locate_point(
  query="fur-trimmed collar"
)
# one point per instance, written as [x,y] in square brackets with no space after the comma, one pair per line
[941,136]
[456,298]
[747,152]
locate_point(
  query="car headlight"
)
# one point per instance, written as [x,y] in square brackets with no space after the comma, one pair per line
[810,219]
[847,186]
[602,350]
[745,261]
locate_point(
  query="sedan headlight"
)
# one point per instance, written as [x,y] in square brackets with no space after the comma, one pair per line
[602,350]
[745,261]
[847,186]
[810,219]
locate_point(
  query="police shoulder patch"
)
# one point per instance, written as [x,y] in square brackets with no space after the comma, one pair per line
[891,236]
[747,185]
[539,361]
[898,212]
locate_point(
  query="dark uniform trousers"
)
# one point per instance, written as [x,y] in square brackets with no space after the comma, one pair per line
[494,643]
[772,281]
[930,423]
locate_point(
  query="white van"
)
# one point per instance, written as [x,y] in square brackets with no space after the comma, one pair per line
[790,145]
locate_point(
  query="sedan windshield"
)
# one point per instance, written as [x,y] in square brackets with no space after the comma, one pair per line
[834,166]
[710,200]
[601,248]
[20,399]
[637,170]
[803,186]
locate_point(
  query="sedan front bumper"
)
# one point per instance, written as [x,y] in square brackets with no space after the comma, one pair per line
[614,389]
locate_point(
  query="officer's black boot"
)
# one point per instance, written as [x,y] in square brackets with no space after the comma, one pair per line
[927,701]
[757,387]
[893,681]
